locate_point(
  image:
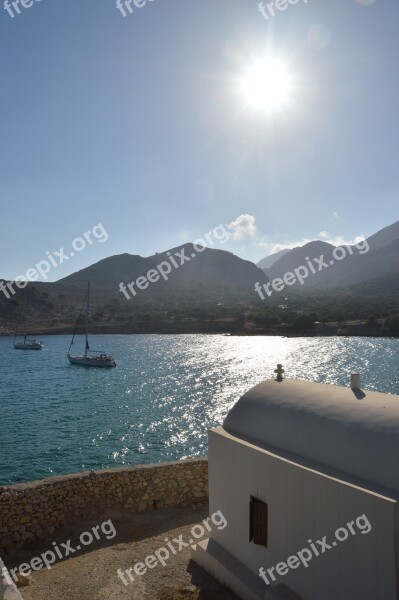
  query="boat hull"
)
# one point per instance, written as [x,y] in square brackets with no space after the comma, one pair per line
[92,361]
[30,346]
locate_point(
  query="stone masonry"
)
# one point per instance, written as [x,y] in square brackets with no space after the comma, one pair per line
[32,512]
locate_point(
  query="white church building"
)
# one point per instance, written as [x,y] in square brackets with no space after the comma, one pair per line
[307,477]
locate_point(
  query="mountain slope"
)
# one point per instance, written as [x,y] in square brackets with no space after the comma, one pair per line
[269,261]
[212,269]
[384,237]
[378,257]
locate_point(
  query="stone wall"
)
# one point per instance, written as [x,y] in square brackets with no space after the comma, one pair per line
[32,512]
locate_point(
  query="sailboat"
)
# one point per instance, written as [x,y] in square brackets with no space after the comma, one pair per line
[26,344]
[90,358]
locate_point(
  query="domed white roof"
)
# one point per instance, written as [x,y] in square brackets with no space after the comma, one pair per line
[354,432]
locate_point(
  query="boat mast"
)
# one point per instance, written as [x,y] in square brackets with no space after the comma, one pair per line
[18,324]
[87,319]
[21,314]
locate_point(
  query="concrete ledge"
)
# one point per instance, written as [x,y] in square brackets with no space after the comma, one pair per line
[234,575]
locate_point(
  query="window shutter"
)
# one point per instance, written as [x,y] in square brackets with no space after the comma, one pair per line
[258,522]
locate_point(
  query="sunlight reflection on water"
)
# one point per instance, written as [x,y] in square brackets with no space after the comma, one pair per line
[160,400]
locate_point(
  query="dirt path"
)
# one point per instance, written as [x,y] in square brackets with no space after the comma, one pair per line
[92,574]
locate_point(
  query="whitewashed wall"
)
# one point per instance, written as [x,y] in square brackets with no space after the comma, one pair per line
[303,504]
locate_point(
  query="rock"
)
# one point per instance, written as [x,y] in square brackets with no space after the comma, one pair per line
[188,589]
[25,519]
[23,580]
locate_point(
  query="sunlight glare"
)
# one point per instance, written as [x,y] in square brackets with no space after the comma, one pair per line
[267,85]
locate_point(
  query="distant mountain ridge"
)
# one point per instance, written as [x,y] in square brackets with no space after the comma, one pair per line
[216,269]
[213,291]
[358,266]
[214,276]
[269,261]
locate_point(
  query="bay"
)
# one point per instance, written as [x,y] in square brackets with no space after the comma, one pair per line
[161,399]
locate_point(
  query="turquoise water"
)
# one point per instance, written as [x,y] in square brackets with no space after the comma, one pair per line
[160,400]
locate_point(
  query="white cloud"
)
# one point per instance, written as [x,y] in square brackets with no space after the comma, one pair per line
[273,248]
[242,227]
[335,241]
[335,214]
[340,241]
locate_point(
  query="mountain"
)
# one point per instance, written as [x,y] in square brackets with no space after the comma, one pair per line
[299,257]
[202,290]
[377,257]
[212,291]
[385,237]
[269,261]
[185,269]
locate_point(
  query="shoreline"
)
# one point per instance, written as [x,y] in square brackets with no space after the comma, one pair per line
[349,329]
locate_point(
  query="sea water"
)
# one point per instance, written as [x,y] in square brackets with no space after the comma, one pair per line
[160,400]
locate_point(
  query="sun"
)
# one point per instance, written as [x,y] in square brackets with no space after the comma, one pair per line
[267,85]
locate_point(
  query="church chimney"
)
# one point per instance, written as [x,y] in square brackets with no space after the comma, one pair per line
[280,371]
[355,381]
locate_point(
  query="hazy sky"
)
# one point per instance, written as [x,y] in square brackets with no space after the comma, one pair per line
[142,124]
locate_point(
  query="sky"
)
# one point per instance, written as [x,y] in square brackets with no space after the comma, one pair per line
[144,126]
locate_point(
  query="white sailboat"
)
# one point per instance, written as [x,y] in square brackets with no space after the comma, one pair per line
[90,358]
[26,344]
